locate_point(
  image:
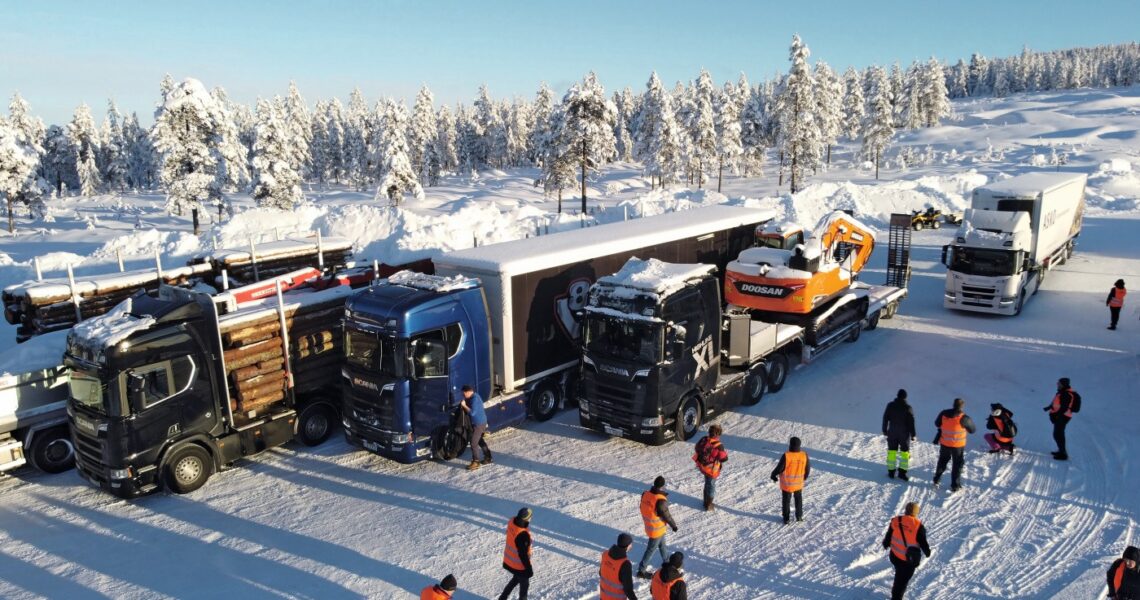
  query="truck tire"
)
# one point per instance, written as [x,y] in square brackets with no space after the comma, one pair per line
[856,331]
[1020,301]
[446,445]
[755,384]
[315,424]
[873,320]
[889,310]
[777,371]
[188,469]
[51,450]
[689,417]
[544,401]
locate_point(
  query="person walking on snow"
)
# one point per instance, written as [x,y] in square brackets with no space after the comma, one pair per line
[898,426]
[473,404]
[516,554]
[1123,578]
[655,515]
[1001,422]
[440,591]
[953,425]
[1115,302]
[617,573]
[1066,402]
[709,456]
[669,581]
[792,470]
[906,537]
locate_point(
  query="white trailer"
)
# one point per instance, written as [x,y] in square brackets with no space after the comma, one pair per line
[1015,231]
[33,406]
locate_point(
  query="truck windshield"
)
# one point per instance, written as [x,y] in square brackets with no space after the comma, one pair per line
[984,262]
[627,340]
[89,391]
[370,351]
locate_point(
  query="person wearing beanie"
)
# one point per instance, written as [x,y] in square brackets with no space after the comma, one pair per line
[898,426]
[440,591]
[616,574]
[669,583]
[953,425]
[792,471]
[1115,302]
[1123,577]
[1066,402]
[709,456]
[1001,422]
[906,536]
[655,514]
[516,554]
[472,403]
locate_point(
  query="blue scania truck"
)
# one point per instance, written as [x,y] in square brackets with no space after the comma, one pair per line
[503,318]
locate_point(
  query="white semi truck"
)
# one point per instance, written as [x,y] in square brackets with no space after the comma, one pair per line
[1014,232]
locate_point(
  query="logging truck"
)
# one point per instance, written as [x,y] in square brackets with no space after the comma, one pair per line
[170,387]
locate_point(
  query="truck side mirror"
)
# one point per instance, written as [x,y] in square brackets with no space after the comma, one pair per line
[136,389]
[946,254]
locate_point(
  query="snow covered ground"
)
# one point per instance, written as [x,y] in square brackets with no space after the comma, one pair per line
[332,522]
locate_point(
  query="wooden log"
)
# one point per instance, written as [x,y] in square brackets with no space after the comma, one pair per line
[317,338]
[315,351]
[233,354]
[256,405]
[260,368]
[264,389]
[259,380]
[253,359]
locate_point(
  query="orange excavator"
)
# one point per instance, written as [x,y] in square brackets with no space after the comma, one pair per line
[803,283]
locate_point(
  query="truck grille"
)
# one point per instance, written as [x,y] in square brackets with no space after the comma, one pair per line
[375,412]
[89,456]
[615,402]
[973,295]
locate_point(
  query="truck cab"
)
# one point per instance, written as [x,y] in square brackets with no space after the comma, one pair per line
[410,345]
[988,262]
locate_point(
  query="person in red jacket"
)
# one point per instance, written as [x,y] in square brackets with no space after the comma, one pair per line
[709,456]
[1115,302]
[440,591]
[1061,410]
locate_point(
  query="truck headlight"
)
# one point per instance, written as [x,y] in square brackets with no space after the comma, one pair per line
[951,295]
[120,473]
[651,422]
[1008,299]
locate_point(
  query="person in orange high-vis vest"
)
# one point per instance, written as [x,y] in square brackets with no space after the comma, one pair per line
[792,470]
[440,591]
[709,455]
[616,573]
[669,581]
[1115,302]
[655,514]
[953,427]
[1000,421]
[1122,570]
[1060,413]
[904,533]
[516,554]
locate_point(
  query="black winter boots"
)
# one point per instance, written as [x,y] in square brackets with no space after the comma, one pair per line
[902,475]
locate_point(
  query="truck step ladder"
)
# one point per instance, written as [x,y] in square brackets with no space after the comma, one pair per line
[898,251]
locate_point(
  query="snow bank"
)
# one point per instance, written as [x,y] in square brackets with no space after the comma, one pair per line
[1114,187]
[41,352]
[264,224]
[144,243]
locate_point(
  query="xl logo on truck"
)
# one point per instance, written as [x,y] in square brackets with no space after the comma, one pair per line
[766,291]
[703,355]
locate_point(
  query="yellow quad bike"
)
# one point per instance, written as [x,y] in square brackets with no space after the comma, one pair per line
[930,218]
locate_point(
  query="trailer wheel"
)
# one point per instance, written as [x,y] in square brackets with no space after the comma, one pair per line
[755,384]
[316,424]
[51,450]
[873,320]
[856,331]
[689,417]
[188,469]
[889,310]
[778,369]
[544,401]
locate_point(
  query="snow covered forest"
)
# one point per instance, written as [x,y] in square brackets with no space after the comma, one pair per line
[202,147]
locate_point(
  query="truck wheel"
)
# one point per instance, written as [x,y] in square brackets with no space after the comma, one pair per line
[51,450]
[315,424]
[754,385]
[188,469]
[889,310]
[873,320]
[856,331]
[777,375]
[544,401]
[1020,301]
[689,417]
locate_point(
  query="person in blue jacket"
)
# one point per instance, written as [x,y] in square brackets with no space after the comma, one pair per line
[473,404]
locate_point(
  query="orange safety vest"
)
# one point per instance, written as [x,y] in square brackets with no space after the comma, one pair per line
[433,592]
[659,589]
[1117,299]
[953,434]
[902,527]
[1056,407]
[609,587]
[711,470]
[999,436]
[792,479]
[654,524]
[511,556]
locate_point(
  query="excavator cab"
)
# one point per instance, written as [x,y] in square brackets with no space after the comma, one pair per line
[781,236]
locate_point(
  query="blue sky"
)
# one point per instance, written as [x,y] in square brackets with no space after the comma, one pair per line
[60,53]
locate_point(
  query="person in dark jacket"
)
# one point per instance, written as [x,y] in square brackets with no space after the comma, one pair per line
[898,426]
[905,532]
[1060,413]
[792,471]
[440,591]
[655,515]
[953,425]
[1123,578]
[668,582]
[516,554]
[1000,422]
[709,456]
[617,572]
[1115,302]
